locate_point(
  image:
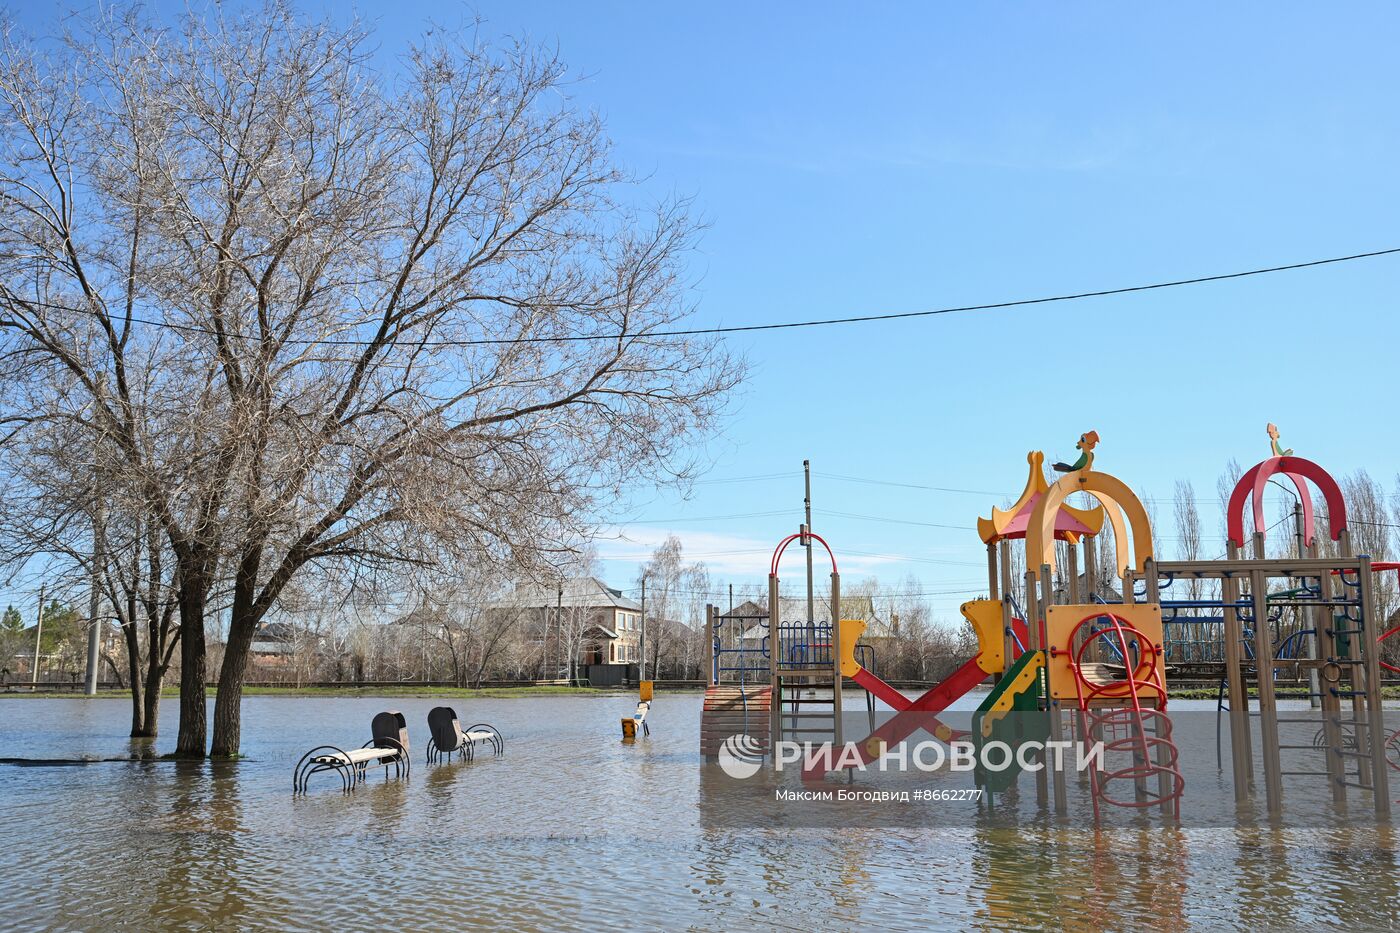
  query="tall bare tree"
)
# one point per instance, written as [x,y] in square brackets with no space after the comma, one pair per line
[1224,485]
[1188,530]
[333,319]
[670,580]
[1368,520]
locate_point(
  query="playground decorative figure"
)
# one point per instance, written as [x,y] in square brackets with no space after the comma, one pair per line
[1274,445]
[1087,442]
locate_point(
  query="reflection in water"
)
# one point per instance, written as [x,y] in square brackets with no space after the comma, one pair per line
[571,828]
[199,875]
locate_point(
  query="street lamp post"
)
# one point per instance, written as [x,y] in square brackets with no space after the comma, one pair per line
[642,639]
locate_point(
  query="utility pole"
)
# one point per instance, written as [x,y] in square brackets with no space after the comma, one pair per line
[422,641]
[558,629]
[807,541]
[642,670]
[38,639]
[94,623]
[94,633]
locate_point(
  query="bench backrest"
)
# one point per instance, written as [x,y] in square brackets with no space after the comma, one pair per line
[389,725]
[444,726]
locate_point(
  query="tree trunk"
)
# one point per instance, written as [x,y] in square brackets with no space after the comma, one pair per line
[133,662]
[244,617]
[228,704]
[194,717]
[150,725]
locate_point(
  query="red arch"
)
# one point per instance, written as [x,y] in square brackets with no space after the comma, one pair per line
[782,546]
[1299,470]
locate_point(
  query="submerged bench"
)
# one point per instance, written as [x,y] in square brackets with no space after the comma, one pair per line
[388,747]
[449,738]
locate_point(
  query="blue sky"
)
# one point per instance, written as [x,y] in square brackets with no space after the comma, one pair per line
[912,157]
[909,157]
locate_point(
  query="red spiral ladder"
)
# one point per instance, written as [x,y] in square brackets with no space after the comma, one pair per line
[1123,728]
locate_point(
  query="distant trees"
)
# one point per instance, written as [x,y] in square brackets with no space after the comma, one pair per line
[11,639]
[1188,530]
[675,600]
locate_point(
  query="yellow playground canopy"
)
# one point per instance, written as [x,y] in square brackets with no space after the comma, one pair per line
[1071,524]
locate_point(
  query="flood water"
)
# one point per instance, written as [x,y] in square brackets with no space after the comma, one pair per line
[572,828]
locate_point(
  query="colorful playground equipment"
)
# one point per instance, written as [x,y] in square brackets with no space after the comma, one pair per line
[1336,637]
[1072,656]
[630,724]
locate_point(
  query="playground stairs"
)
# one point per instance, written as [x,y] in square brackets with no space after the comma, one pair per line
[1127,713]
[807,711]
[735,709]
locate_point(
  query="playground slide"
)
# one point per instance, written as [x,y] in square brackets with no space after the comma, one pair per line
[936,700]
[985,617]
[1018,692]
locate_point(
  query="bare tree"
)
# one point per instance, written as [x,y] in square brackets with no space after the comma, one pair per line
[1368,520]
[670,582]
[1188,530]
[332,320]
[1224,486]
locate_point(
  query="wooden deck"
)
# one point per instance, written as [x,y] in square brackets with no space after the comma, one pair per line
[730,711]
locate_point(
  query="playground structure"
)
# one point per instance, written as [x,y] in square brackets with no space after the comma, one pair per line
[1339,643]
[1094,667]
[638,719]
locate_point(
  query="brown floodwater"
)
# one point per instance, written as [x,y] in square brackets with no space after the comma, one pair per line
[572,828]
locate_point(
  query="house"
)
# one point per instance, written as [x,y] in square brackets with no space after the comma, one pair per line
[602,626]
[65,653]
[274,644]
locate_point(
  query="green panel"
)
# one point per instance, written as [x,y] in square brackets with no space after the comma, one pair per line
[1019,726]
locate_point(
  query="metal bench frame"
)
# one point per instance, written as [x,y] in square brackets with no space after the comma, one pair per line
[465,746]
[355,772]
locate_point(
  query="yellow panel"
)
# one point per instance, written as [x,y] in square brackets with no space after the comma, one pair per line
[629,728]
[1061,622]
[1007,700]
[851,630]
[985,616]
[645,692]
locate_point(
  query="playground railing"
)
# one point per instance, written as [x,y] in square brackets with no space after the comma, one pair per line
[804,645]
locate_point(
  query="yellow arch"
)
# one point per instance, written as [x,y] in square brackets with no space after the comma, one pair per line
[1118,501]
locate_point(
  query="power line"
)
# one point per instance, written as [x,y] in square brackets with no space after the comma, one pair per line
[885,482]
[787,325]
[893,521]
[747,479]
[703,518]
